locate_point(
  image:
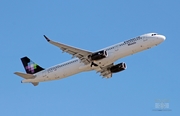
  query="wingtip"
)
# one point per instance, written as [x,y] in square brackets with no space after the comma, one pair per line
[15,73]
[46,38]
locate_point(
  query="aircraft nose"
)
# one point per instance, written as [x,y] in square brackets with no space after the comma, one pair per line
[162,37]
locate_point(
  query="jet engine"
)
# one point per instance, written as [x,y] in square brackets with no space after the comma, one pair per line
[98,55]
[117,68]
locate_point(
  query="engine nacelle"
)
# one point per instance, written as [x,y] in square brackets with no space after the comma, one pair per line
[98,55]
[119,67]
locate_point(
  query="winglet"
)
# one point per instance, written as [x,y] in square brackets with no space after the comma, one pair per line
[47,38]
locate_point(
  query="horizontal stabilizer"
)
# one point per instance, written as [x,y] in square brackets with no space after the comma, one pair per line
[26,76]
[35,83]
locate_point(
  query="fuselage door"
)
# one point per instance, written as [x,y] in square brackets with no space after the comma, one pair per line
[145,39]
[117,48]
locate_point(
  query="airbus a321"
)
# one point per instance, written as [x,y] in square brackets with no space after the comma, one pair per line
[102,61]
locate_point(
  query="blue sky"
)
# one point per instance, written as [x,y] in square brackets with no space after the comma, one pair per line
[92,24]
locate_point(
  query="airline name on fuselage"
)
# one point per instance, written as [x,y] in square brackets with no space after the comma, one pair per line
[132,41]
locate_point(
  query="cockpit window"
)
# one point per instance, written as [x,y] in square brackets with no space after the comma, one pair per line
[154,34]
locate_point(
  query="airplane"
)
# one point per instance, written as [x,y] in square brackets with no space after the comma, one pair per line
[102,61]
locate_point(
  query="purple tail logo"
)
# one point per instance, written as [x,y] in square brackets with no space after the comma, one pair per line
[31,67]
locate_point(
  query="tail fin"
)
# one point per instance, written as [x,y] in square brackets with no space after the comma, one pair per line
[30,66]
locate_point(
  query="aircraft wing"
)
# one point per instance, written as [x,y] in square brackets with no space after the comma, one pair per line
[75,52]
[104,71]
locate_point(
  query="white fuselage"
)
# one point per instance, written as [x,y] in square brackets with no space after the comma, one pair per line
[114,52]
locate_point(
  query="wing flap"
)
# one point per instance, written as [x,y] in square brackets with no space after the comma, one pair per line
[105,72]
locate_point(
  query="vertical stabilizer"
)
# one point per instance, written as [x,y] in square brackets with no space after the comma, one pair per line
[30,66]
